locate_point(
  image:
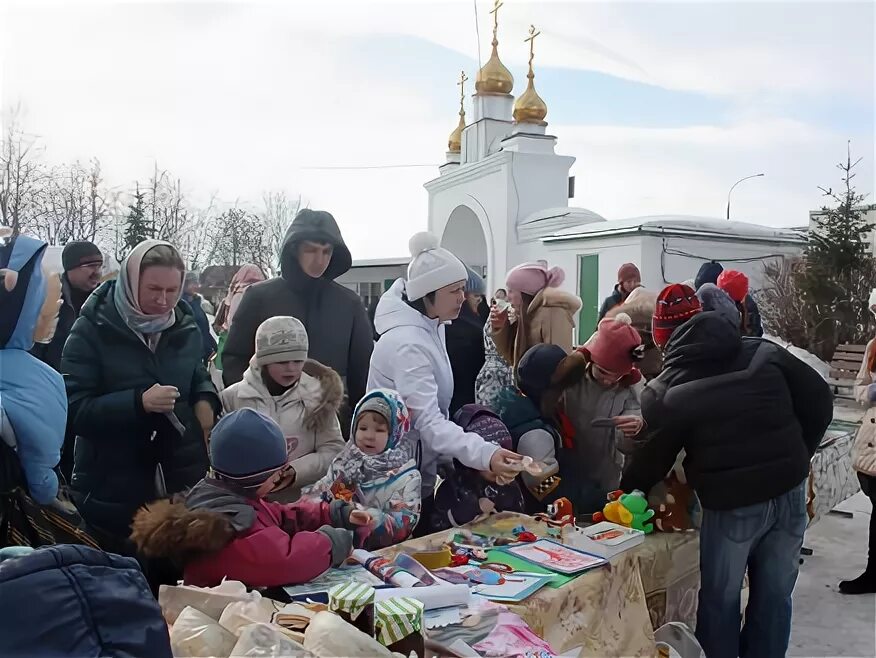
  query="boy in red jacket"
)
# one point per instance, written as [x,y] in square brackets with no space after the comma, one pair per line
[224,528]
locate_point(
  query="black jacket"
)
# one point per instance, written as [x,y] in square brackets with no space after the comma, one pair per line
[208,343]
[616,298]
[50,353]
[106,369]
[748,413]
[337,324]
[465,347]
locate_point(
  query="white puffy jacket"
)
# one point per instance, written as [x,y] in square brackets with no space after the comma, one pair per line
[411,358]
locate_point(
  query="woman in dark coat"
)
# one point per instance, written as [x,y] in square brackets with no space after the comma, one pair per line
[465,342]
[140,400]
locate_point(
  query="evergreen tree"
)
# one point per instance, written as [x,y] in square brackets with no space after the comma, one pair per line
[137,228]
[839,267]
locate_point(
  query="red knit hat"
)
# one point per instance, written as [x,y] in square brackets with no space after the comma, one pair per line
[676,304]
[628,271]
[734,284]
[616,346]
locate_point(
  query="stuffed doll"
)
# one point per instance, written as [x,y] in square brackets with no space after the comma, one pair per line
[630,510]
[33,402]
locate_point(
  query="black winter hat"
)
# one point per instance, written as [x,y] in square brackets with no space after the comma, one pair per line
[709,273]
[78,253]
[537,368]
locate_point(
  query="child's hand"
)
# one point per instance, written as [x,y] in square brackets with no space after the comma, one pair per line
[360,518]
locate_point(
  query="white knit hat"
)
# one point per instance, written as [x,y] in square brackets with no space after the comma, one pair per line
[431,267]
[279,339]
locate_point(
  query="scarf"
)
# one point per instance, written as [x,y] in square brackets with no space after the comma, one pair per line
[126,299]
[354,468]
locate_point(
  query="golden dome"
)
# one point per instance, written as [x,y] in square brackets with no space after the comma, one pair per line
[494,78]
[454,143]
[529,107]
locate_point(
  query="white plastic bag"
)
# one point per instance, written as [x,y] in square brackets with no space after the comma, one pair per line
[267,641]
[195,635]
[243,613]
[329,635]
[212,601]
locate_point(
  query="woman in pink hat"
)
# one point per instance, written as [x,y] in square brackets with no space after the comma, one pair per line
[540,312]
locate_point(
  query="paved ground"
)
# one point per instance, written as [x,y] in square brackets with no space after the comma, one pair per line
[826,623]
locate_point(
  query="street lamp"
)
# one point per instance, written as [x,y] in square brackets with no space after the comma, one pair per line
[734,185]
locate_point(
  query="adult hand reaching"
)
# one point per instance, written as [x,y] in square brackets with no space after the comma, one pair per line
[629,425]
[160,399]
[505,464]
[206,417]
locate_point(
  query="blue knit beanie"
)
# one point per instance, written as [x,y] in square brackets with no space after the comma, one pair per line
[246,448]
[475,283]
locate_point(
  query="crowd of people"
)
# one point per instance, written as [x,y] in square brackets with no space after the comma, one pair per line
[323,439]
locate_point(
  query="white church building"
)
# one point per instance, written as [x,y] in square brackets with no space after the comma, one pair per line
[502,198]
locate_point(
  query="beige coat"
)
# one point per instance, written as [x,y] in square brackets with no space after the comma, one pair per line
[307,414]
[864,450]
[550,318]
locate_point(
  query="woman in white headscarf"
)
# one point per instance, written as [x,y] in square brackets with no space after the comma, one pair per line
[140,400]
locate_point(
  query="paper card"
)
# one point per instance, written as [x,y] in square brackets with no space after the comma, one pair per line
[556,557]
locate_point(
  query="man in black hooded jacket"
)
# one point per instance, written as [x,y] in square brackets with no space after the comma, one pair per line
[749,416]
[313,256]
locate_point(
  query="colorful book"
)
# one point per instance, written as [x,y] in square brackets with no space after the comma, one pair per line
[605,539]
[556,557]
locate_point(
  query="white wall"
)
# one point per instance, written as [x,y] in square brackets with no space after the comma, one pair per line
[371,274]
[677,268]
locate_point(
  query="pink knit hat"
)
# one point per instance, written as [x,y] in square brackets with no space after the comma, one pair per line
[532,278]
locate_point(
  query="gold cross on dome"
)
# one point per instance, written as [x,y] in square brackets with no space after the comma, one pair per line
[531,40]
[495,12]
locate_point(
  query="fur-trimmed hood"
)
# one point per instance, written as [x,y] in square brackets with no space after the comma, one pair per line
[321,390]
[640,306]
[203,521]
[555,298]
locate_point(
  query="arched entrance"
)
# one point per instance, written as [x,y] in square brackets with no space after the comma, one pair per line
[464,237]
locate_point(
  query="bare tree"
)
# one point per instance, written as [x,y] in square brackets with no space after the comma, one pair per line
[240,238]
[21,173]
[276,216]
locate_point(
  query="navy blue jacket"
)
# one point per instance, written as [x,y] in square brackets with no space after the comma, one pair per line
[208,343]
[70,600]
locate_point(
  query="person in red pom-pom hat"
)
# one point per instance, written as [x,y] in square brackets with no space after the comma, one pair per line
[676,304]
[734,284]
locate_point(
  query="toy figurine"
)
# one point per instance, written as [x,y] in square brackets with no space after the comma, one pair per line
[629,510]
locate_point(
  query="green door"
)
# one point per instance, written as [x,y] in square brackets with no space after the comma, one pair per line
[588,291]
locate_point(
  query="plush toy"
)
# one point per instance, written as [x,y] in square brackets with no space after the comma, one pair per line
[637,505]
[672,501]
[629,510]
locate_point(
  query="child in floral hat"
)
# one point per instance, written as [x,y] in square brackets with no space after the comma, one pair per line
[376,471]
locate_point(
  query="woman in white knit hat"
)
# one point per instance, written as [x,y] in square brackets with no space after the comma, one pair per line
[411,358]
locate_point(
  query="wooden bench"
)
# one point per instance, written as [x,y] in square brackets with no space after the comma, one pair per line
[844,370]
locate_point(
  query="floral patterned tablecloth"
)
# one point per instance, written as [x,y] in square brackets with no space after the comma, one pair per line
[608,612]
[831,477]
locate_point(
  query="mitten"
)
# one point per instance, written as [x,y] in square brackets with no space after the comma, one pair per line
[342,543]
[339,513]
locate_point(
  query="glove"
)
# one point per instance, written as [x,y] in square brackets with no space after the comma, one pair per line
[871,392]
[339,513]
[342,543]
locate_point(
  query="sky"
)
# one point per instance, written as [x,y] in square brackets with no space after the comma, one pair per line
[664,104]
